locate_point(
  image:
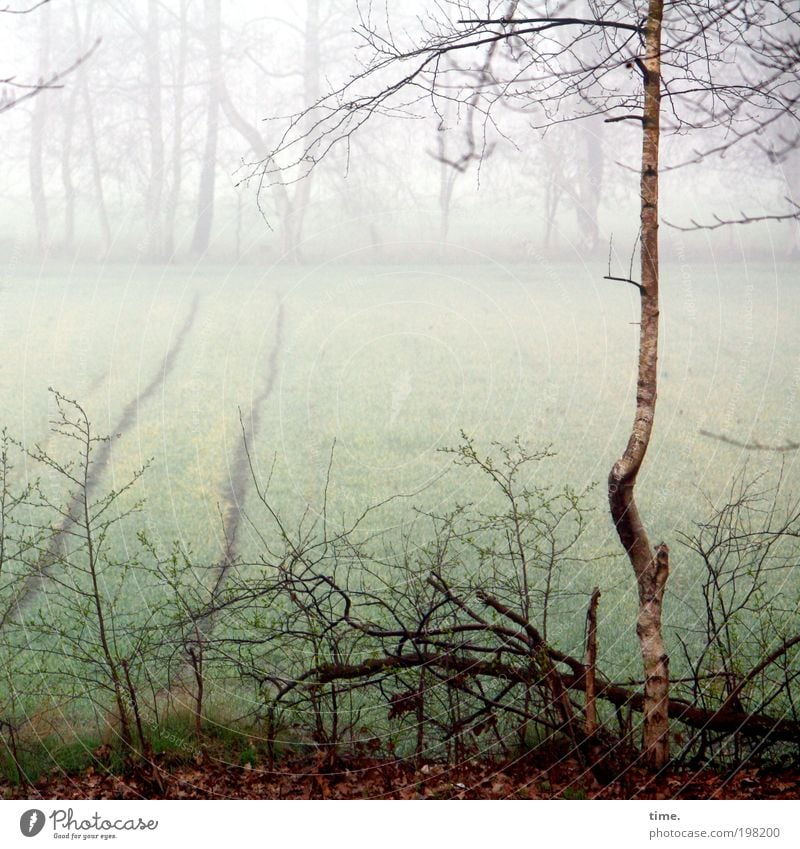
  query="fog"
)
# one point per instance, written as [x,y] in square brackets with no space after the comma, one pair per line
[432,272]
[143,152]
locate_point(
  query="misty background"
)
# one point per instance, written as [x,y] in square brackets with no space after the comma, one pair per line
[383,304]
[147,152]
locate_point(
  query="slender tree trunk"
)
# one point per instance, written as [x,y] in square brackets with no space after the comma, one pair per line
[791,171]
[553,194]
[155,183]
[586,187]
[205,195]
[82,30]
[591,664]
[96,596]
[97,173]
[258,144]
[293,225]
[447,182]
[247,130]
[590,185]
[36,151]
[651,568]
[66,174]
[177,137]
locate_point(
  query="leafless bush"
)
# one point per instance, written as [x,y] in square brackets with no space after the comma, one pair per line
[89,623]
[749,655]
[433,642]
[438,642]
[438,648]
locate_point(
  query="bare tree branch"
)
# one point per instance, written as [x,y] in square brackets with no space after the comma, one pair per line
[9,102]
[743,219]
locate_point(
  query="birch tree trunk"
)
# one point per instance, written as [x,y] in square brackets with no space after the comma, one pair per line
[651,568]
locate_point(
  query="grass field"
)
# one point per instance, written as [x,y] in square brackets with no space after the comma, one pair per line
[391,363]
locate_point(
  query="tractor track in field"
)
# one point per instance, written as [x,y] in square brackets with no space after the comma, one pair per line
[32,583]
[240,475]
[232,497]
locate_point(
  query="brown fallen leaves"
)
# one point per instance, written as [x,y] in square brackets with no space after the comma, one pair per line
[371,778]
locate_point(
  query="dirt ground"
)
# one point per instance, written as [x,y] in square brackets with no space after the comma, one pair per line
[394,779]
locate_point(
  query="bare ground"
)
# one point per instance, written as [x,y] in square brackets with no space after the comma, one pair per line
[369,778]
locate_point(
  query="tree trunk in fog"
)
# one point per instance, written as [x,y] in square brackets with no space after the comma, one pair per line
[293,225]
[589,186]
[82,86]
[97,173]
[651,568]
[553,193]
[791,172]
[291,209]
[36,152]
[205,195]
[586,186]
[173,198]
[155,183]
[66,173]
[447,182]
[250,133]
[577,179]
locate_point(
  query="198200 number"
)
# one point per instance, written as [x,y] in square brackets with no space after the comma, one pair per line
[761,832]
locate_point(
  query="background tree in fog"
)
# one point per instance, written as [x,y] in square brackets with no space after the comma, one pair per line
[556,64]
[305,34]
[128,136]
[16,92]
[766,140]
[205,194]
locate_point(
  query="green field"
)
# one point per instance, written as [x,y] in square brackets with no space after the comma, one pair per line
[390,364]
